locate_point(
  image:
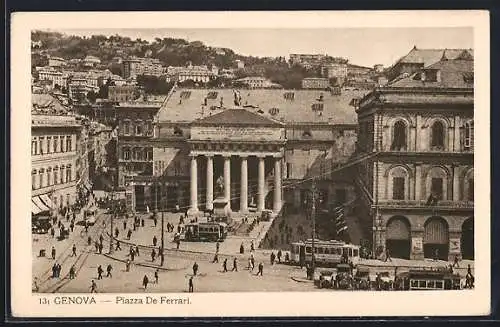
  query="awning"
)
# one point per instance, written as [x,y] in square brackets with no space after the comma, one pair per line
[45,198]
[38,202]
[34,209]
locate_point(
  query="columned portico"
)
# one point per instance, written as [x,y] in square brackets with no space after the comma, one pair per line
[210,183]
[194,185]
[244,185]
[260,193]
[227,180]
[277,185]
[236,146]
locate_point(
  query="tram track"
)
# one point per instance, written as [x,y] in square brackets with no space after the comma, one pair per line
[78,263]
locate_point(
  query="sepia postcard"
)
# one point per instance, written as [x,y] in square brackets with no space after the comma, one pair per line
[235,164]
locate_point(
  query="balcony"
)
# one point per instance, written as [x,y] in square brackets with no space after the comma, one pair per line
[422,204]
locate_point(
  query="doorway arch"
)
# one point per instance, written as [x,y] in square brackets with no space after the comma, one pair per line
[467,240]
[398,237]
[436,238]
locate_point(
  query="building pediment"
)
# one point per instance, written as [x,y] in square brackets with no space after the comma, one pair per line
[237,117]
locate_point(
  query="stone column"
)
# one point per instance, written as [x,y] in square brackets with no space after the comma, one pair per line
[456,134]
[194,186]
[277,185]
[417,243]
[244,185]
[456,183]
[418,181]
[455,249]
[261,198]
[227,180]
[210,183]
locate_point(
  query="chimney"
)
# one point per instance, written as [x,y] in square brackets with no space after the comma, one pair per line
[438,76]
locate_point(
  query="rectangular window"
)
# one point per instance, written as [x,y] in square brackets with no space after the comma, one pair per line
[41,172]
[138,129]
[56,143]
[61,143]
[126,127]
[49,144]
[49,177]
[69,146]
[437,187]
[470,195]
[34,146]
[33,179]
[68,174]
[288,170]
[398,188]
[40,144]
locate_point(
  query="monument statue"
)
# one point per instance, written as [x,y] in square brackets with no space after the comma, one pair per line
[219,187]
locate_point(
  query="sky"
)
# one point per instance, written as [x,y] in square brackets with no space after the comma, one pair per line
[362,46]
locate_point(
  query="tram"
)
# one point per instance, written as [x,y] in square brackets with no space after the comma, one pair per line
[327,253]
[428,279]
[205,231]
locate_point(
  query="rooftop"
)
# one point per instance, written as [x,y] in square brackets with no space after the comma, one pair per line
[454,74]
[289,106]
[46,104]
[431,56]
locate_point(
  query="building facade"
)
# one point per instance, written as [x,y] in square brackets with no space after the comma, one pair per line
[133,67]
[418,179]
[124,93]
[315,83]
[53,162]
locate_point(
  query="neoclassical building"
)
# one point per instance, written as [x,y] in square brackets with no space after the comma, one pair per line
[263,146]
[418,180]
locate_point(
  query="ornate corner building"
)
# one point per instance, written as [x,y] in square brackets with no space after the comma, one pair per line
[418,184]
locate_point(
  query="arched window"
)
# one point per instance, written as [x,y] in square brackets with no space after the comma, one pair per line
[49,176]
[40,174]
[436,185]
[56,175]
[469,135]
[398,183]
[437,138]
[399,136]
[468,194]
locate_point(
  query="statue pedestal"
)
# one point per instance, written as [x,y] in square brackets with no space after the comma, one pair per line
[222,212]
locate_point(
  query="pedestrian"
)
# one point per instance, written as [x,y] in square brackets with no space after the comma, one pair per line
[216,258]
[279,256]
[156,275]
[72,273]
[59,268]
[52,232]
[456,261]
[54,270]
[74,250]
[261,269]
[217,245]
[137,250]
[89,241]
[101,246]
[178,242]
[191,287]
[96,244]
[242,249]
[53,252]
[127,265]
[224,265]
[249,264]
[155,220]
[287,257]
[235,265]
[93,287]
[153,255]
[252,260]
[118,246]
[99,272]
[387,255]
[273,257]
[129,234]
[132,255]
[252,247]
[195,268]
[101,238]
[155,240]
[142,222]
[117,232]
[145,282]
[72,226]
[124,224]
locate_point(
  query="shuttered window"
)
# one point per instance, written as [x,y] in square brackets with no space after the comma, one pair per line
[436,232]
